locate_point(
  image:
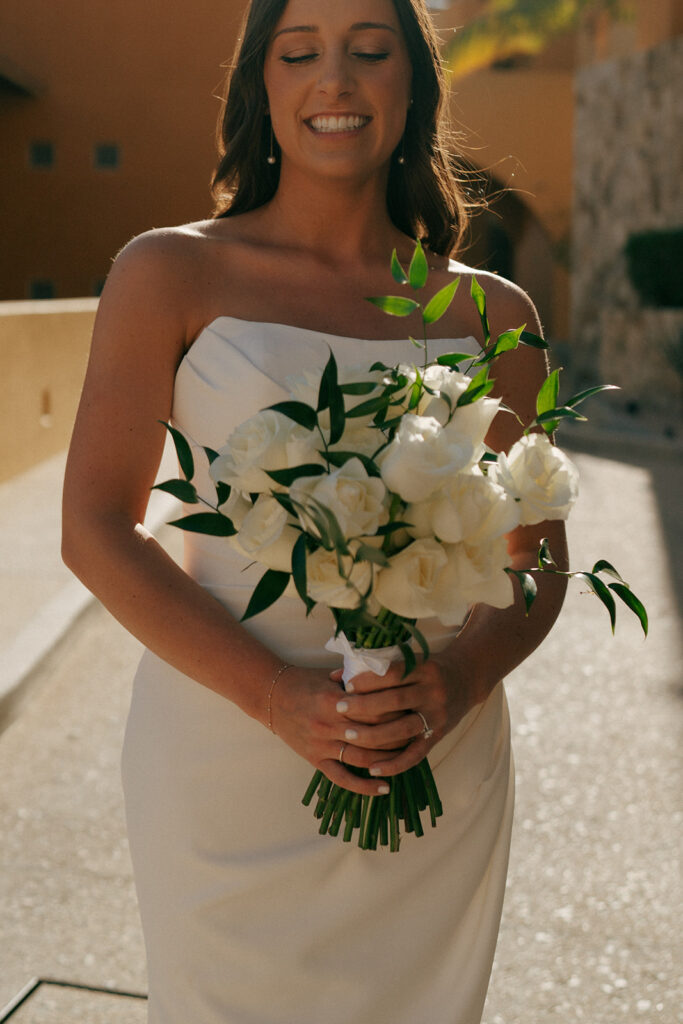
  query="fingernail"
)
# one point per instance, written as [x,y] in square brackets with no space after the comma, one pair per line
[349,687]
[375,771]
[342,706]
[350,734]
[383,790]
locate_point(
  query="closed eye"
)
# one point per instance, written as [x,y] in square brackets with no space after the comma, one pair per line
[372,57]
[300,59]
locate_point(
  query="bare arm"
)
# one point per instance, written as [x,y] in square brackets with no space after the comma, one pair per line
[139,339]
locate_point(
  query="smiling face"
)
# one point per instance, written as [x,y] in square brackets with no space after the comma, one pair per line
[338,79]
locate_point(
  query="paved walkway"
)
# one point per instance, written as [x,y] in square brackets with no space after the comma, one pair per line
[590,930]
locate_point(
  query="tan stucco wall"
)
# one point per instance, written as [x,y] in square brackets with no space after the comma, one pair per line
[43,352]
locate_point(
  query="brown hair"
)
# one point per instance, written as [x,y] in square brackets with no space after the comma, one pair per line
[424,196]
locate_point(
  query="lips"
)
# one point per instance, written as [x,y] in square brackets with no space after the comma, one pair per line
[328,124]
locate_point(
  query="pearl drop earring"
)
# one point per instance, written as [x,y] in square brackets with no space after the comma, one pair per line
[271,155]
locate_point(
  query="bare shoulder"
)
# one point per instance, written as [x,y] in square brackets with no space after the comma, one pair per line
[506,302]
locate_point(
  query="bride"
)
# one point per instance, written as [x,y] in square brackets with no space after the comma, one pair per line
[333,154]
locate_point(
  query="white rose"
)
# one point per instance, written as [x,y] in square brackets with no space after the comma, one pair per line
[267,536]
[236,507]
[469,508]
[407,585]
[423,456]
[327,586]
[445,381]
[473,574]
[356,499]
[540,477]
[267,440]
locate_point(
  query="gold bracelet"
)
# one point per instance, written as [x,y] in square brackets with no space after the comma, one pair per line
[282,668]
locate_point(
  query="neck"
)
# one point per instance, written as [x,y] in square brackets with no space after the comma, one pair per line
[338,219]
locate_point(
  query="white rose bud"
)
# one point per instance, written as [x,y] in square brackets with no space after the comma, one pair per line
[407,585]
[446,381]
[540,477]
[267,536]
[356,499]
[423,456]
[327,586]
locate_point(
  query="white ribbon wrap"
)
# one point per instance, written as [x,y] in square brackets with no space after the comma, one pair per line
[362,659]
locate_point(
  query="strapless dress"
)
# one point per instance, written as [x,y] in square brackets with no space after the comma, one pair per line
[250,916]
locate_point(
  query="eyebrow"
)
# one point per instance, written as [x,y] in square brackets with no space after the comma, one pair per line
[359,26]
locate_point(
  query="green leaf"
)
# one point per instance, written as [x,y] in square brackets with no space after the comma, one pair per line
[379,366]
[478,387]
[299,568]
[330,397]
[286,477]
[395,305]
[528,585]
[417,635]
[181,489]
[370,407]
[600,590]
[623,591]
[341,458]
[507,342]
[368,553]
[183,450]
[300,412]
[453,358]
[550,420]
[223,491]
[410,661]
[359,388]
[211,455]
[213,524]
[270,587]
[548,392]
[583,395]
[533,340]
[415,391]
[418,270]
[383,531]
[397,272]
[479,296]
[416,342]
[545,558]
[439,303]
[604,566]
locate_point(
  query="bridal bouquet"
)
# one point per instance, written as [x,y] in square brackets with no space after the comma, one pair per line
[372,491]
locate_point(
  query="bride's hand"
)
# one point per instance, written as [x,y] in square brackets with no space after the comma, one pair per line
[398,720]
[304,713]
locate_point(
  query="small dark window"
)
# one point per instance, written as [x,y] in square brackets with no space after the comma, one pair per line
[42,153]
[107,156]
[41,288]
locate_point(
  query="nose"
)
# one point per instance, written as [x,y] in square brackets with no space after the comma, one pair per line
[335,78]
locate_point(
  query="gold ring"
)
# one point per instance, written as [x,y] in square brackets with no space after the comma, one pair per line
[341,753]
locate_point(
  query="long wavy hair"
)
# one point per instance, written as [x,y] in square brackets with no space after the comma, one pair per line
[425,198]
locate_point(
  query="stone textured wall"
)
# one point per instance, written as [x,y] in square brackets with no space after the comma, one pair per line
[628,177]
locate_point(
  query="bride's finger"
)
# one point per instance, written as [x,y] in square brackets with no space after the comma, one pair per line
[341,776]
[386,736]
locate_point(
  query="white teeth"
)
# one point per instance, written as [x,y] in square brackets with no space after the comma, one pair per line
[344,123]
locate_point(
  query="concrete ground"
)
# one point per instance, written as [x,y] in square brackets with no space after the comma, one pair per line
[591,923]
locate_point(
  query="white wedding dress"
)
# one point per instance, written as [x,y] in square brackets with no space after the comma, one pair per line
[249,916]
